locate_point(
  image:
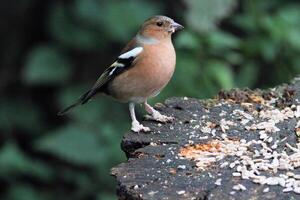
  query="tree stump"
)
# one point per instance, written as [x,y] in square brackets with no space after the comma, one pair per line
[241,145]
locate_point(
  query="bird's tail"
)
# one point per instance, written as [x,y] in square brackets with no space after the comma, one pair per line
[67,109]
[82,100]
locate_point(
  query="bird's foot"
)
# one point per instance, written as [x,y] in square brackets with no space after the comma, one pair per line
[137,127]
[156,116]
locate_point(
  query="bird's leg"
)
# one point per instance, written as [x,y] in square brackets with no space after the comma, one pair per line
[155,115]
[135,125]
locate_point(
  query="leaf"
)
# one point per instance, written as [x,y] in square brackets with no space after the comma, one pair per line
[293,38]
[112,18]
[268,49]
[187,40]
[46,65]
[246,21]
[25,192]
[247,76]
[116,17]
[106,196]
[187,73]
[203,15]
[64,28]
[13,161]
[289,16]
[220,40]
[221,73]
[296,65]
[284,26]
[90,11]
[19,114]
[234,58]
[73,144]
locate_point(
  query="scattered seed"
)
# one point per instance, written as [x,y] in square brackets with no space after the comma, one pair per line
[224,164]
[232,165]
[239,187]
[270,139]
[236,174]
[181,167]
[290,174]
[151,193]
[242,187]
[288,189]
[243,141]
[239,168]
[297,190]
[255,160]
[180,192]
[263,136]
[218,181]
[272,181]
[297,176]
[266,190]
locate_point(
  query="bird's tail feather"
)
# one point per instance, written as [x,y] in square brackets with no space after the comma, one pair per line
[82,100]
[67,109]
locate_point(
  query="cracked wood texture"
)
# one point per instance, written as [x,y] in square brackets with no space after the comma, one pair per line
[156,170]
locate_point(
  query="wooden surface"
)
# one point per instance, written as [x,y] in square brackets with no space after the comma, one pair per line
[159,166]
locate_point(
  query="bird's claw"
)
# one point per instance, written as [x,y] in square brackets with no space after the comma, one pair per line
[156,116]
[137,127]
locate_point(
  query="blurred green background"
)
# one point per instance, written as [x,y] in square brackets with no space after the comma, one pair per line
[52,51]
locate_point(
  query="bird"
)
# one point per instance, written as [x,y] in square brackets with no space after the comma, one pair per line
[143,68]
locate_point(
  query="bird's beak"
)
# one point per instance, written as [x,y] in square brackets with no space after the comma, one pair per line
[176,26]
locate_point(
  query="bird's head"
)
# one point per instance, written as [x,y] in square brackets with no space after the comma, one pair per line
[159,27]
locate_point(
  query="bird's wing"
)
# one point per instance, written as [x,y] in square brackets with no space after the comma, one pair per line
[122,63]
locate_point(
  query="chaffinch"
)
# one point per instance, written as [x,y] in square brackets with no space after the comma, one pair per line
[143,69]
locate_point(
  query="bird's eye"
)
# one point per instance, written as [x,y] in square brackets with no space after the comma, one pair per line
[159,23]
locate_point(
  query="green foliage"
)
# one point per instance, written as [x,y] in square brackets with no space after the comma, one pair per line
[200,19]
[70,34]
[221,73]
[14,115]
[46,65]
[24,192]
[120,28]
[13,161]
[73,144]
[67,44]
